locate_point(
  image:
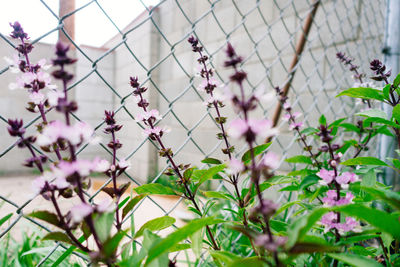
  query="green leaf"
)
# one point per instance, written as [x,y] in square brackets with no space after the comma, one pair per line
[384,221]
[111,245]
[46,216]
[369,179]
[355,239]
[309,131]
[103,223]
[367,121]
[179,247]
[396,113]
[299,159]
[216,194]
[299,227]
[322,120]
[155,225]
[179,235]
[197,242]
[131,204]
[350,127]
[211,161]
[224,256]
[250,262]
[390,197]
[154,189]
[376,113]
[363,92]
[187,174]
[58,236]
[364,161]
[386,91]
[396,81]
[308,181]
[203,175]
[310,247]
[354,260]
[123,202]
[67,253]
[246,158]
[5,218]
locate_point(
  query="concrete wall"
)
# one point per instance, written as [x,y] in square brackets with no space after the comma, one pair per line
[154,47]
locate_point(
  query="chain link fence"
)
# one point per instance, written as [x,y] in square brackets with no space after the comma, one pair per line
[268,33]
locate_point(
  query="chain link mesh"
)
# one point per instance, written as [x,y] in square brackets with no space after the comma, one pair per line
[154,47]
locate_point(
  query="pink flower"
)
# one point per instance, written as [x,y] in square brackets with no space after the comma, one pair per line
[53,97]
[156,130]
[287,106]
[55,130]
[152,114]
[36,97]
[271,160]
[214,82]
[13,63]
[38,184]
[105,206]
[326,176]
[350,225]
[346,178]
[331,199]
[237,128]
[61,183]
[329,221]
[295,115]
[80,211]
[100,165]
[235,166]
[261,128]
[296,125]
[123,164]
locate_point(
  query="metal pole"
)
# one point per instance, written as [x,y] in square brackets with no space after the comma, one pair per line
[296,57]
[67,6]
[392,60]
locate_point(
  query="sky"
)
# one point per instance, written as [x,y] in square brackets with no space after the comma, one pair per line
[92,27]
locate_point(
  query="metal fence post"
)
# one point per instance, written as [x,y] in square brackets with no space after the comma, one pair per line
[392,60]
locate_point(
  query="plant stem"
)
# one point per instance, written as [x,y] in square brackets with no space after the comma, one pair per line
[255,174]
[64,225]
[189,193]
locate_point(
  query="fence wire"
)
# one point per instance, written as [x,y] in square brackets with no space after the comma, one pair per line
[266,32]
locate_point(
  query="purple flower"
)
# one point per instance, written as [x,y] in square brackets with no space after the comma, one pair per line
[80,211]
[18,32]
[15,127]
[326,176]
[270,245]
